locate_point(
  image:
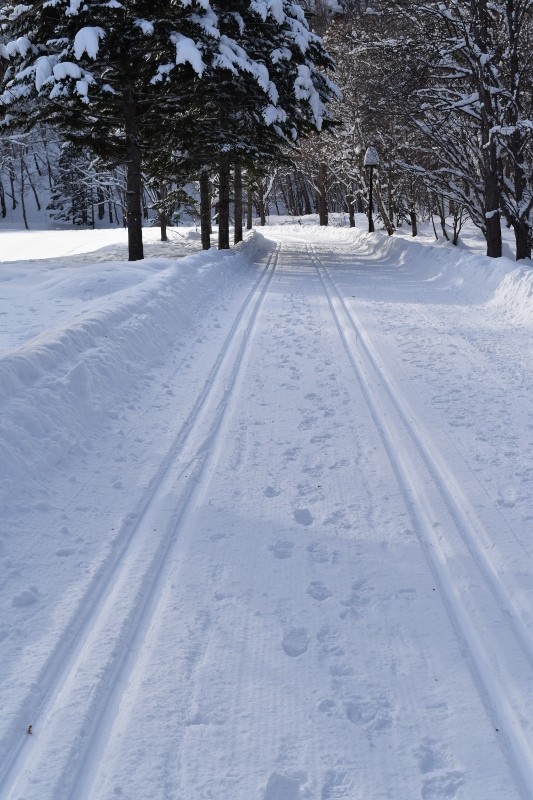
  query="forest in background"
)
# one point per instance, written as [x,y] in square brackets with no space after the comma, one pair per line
[442,90]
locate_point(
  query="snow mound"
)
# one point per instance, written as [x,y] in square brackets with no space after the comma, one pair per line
[472,278]
[57,386]
[458,275]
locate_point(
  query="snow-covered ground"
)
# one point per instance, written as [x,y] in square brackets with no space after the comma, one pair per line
[266,519]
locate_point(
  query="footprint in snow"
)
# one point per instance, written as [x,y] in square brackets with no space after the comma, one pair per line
[295,642]
[318,591]
[282,548]
[438,781]
[283,787]
[303,516]
[446,785]
[320,554]
[429,758]
[326,706]
[372,712]
[26,598]
[360,597]
[270,491]
[334,785]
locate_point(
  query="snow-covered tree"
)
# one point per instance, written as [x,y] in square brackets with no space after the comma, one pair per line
[475,108]
[247,116]
[103,73]
[122,77]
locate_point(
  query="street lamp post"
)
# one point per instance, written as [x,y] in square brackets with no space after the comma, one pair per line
[371,160]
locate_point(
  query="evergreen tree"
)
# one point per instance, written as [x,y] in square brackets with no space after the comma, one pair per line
[103,74]
[249,116]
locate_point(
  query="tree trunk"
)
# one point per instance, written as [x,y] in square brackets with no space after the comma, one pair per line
[32,186]
[493,228]
[432,218]
[22,198]
[12,183]
[100,202]
[292,206]
[237,183]
[520,219]
[390,199]
[412,217]
[439,204]
[371,202]
[522,178]
[384,216]
[303,193]
[223,203]
[133,179]
[205,210]
[492,218]
[249,209]
[350,199]
[522,233]
[322,198]
[163,216]
[493,232]
[261,204]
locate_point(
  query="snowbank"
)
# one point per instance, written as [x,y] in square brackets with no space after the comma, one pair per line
[467,277]
[58,385]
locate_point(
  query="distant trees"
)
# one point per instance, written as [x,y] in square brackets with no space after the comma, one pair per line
[245,120]
[475,109]
[444,90]
[98,72]
[27,164]
[197,78]
[234,93]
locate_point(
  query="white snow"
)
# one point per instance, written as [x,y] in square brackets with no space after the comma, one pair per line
[265,518]
[87,40]
[371,157]
[146,26]
[67,69]
[43,71]
[187,52]
[20,45]
[304,89]
[265,8]
[74,7]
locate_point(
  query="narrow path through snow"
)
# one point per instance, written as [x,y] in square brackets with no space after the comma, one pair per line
[487,617]
[288,575]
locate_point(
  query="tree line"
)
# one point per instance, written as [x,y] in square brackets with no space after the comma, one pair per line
[146,97]
[166,88]
[444,91]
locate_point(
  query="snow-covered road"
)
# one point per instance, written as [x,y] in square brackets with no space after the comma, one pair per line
[267,525]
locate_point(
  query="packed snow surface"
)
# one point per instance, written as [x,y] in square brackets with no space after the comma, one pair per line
[266,519]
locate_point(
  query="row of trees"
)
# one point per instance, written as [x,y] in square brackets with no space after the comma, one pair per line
[444,90]
[168,88]
[154,95]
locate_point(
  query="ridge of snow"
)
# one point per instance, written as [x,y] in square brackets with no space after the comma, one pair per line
[54,386]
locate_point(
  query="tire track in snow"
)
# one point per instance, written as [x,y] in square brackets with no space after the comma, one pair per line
[496,644]
[472,530]
[82,675]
